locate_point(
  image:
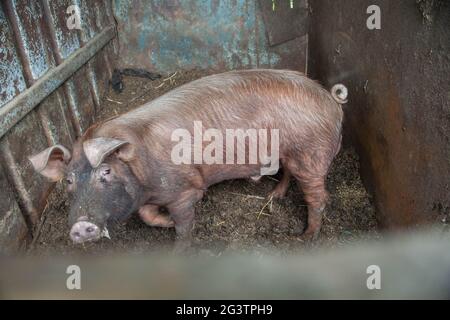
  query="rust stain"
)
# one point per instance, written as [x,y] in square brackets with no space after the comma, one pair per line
[35,39]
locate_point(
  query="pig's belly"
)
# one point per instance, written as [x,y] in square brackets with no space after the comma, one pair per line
[213,174]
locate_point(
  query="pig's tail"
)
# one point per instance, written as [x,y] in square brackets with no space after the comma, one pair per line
[339,93]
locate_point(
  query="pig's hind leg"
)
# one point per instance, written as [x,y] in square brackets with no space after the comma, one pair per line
[151,216]
[310,172]
[316,197]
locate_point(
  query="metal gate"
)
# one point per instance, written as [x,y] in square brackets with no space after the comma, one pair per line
[55,60]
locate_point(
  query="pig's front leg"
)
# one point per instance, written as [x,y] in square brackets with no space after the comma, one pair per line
[151,216]
[182,212]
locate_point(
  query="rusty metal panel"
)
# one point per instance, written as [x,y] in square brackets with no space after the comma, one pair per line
[82,91]
[28,24]
[13,229]
[89,29]
[95,17]
[35,41]
[228,34]
[110,13]
[26,138]
[399,107]
[89,26]
[55,119]
[29,29]
[13,111]
[284,20]
[66,40]
[80,101]
[27,134]
[12,81]
[289,60]
[104,17]
[98,78]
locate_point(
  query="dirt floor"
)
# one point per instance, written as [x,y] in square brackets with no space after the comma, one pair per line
[233,215]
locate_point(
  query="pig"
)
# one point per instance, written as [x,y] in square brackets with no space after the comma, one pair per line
[125,165]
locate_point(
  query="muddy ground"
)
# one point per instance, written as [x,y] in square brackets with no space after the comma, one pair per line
[233,215]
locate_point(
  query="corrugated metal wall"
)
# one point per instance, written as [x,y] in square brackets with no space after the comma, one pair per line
[34,41]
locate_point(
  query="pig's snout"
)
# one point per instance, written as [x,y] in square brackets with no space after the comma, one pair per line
[83,231]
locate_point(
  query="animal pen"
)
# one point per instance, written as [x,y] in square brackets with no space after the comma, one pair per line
[58,59]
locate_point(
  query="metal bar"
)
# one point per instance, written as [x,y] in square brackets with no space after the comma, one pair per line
[31,212]
[14,23]
[15,110]
[52,31]
[26,64]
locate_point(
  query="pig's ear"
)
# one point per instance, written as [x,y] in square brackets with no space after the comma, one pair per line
[51,162]
[96,150]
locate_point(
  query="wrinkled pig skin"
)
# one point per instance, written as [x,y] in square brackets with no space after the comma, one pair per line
[123,165]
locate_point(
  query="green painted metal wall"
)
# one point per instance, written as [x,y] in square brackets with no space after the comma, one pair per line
[220,34]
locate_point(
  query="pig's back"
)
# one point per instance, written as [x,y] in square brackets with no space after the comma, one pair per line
[259,98]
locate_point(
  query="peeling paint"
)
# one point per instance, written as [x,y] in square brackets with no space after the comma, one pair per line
[12,81]
[59,104]
[29,16]
[67,40]
[13,229]
[208,34]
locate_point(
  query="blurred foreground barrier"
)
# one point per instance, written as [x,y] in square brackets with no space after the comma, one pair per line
[411,266]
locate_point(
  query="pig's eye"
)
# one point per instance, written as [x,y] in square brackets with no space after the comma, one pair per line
[104,173]
[69,180]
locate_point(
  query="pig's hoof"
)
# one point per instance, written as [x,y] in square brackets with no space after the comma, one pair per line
[309,236]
